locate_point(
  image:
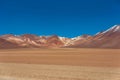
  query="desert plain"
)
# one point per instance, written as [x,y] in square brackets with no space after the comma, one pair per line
[59,64]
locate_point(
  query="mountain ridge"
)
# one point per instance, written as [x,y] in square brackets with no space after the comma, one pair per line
[107,39]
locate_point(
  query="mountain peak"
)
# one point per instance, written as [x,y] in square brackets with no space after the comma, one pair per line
[105,39]
[115,28]
[31,36]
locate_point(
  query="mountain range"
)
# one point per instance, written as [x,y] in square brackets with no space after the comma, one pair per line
[106,39]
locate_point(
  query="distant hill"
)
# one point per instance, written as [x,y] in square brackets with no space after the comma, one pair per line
[106,39]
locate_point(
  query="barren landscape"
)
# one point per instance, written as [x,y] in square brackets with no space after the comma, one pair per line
[59,64]
[59,39]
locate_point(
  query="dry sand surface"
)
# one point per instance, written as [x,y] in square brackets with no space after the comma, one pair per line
[76,57]
[60,64]
[11,71]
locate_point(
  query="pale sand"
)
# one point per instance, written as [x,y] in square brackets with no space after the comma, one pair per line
[9,71]
[60,64]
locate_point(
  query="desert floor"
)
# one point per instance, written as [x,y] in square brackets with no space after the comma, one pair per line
[60,64]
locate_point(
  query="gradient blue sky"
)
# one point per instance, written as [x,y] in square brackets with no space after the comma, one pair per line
[67,18]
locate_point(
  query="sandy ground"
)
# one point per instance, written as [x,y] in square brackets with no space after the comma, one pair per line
[14,71]
[76,57]
[60,64]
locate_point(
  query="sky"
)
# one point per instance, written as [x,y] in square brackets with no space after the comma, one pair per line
[67,18]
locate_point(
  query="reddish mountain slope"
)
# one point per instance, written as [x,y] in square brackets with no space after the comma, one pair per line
[30,40]
[5,44]
[106,39]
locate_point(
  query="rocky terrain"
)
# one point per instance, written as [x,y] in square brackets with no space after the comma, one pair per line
[106,39]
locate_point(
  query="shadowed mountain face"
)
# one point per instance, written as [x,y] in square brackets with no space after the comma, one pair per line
[6,44]
[106,39]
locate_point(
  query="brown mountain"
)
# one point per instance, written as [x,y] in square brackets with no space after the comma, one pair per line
[30,40]
[6,44]
[55,41]
[106,39]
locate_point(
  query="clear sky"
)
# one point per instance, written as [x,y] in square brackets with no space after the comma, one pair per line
[67,18]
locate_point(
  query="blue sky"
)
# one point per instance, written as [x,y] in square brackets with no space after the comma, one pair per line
[67,18]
